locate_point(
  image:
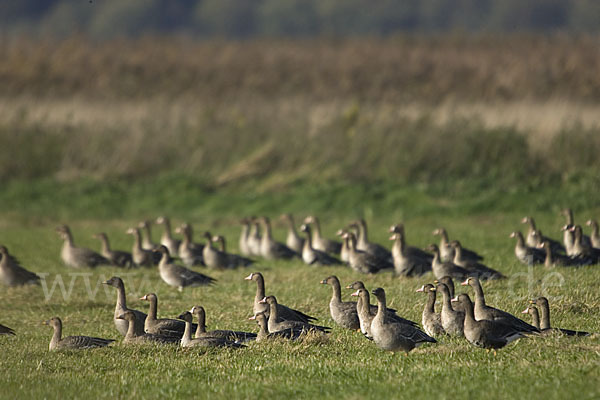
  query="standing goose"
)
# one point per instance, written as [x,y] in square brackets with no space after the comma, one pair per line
[527,255]
[276,323]
[452,320]
[270,248]
[312,256]
[595,236]
[121,324]
[284,312]
[441,269]
[233,260]
[167,239]
[410,251]
[72,342]
[392,336]
[213,258]
[78,257]
[237,336]
[431,321]
[116,257]
[254,237]
[12,273]
[488,334]
[146,241]
[447,252]
[161,326]
[189,252]
[293,240]
[361,261]
[319,242]
[243,241]
[483,311]
[203,341]
[363,244]
[475,268]
[179,276]
[5,330]
[263,333]
[545,327]
[141,256]
[135,331]
[406,264]
[344,313]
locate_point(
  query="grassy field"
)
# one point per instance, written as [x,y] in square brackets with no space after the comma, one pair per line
[344,365]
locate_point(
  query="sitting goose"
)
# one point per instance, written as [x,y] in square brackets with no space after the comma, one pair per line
[535,238]
[361,261]
[12,273]
[203,341]
[141,257]
[147,243]
[446,280]
[243,241]
[177,275]
[483,311]
[254,237]
[161,326]
[121,308]
[189,252]
[78,257]
[441,269]
[475,268]
[431,321]
[72,342]
[527,255]
[406,264]
[5,330]
[167,239]
[568,237]
[545,327]
[312,256]
[452,320]
[344,251]
[485,333]
[263,333]
[344,313]
[201,332]
[555,260]
[393,336]
[595,236]
[410,251]
[284,312]
[276,323]
[535,317]
[447,252]
[293,240]
[116,257]
[319,242]
[363,244]
[135,331]
[582,250]
[233,260]
[270,248]
[213,258]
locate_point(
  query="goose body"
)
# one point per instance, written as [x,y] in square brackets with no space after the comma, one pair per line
[78,257]
[272,249]
[72,342]
[292,240]
[140,256]
[405,263]
[312,256]
[263,333]
[121,324]
[178,276]
[276,324]
[344,313]
[161,326]
[135,331]
[430,320]
[237,336]
[12,273]
[167,239]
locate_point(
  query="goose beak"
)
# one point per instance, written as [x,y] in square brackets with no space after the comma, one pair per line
[324,281]
[252,318]
[105,283]
[524,220]
[263,301]
[355,293]
[531,301]
[421,289]
[455,299]
[249,277]
[465,283]
[525,311]
[143,298]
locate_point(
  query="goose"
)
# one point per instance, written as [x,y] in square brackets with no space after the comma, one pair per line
[263,333]
[135,331]
[344,251]
[406,264]
[568,238]
[78,257]
[393,336]
[447,252]
[232,260]
[344,313]
[409,251]
[146,241]
[270,248]
[161,326]
[243,241]
[430,320]
[312,256]
[72,342]
[212,257]
[535,317]
[555,260]
[254,238]
[5,330]
[275,323]
[167,239]
[236,336]
[483,311]
[12,273]
[293,240]
[475,268]
[178,276]
[446,280]
[122,324]
[189,252]
[116,257]
[319,242]
[447,268]
[487,334]
[582,250]
[141,257]
[452,320]
[534,237]
[361,261]
[203,341]
[285,313]
[544,325]
[363,244]
[595,236]
[527,255]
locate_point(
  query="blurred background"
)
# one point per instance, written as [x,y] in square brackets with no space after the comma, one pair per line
[111,108]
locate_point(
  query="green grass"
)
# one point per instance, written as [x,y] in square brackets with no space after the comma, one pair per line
[343,366]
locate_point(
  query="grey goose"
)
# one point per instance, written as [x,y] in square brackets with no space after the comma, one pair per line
[12,272]
[72,342]
[118,258]
[177,275]
[121,308]
[78,257]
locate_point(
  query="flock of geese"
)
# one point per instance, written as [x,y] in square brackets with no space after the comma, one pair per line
[482,325]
